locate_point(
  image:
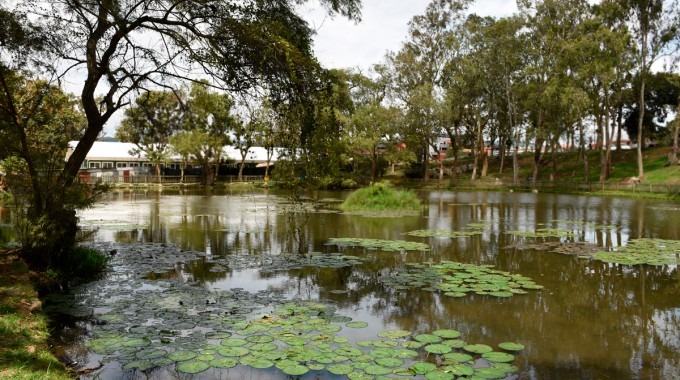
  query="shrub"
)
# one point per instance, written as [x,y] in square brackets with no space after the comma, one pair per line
[381,196]
[81,262]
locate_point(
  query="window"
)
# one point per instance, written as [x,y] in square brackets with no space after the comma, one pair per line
[107,165]
[95,165]
[121,164]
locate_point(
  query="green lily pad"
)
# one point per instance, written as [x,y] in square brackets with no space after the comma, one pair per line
[438,374]
[233,351]
[394,334]
[478,348]
[389,362]
[340,369]
[458,370]
[192,367]
[179,356]
[421,368]
[458,357]
[224,363]
[152,354]
[489,373]
[255,362]
[455,343]
[499,357]
[141,365]
[233,342]
[295,370]
[377,369]
[438,349]
[446,334]
[357,325]
[427,338]
[511,346]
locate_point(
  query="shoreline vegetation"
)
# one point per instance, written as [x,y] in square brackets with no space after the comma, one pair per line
[661,181]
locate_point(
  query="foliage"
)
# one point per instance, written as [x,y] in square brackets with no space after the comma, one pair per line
[81,262]
[381,196]
[38,121]
[155,117]
[202,136]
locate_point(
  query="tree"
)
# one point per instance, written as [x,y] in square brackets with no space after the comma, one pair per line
[37,121]
[149,124]
[204,129]
[655,25]
[240,45]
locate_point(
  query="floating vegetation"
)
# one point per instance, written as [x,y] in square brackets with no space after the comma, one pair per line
[644,251]
[444,233]
[182,325]
[385,245]
[471,229]
[545,233]
[565,248]
[459,280]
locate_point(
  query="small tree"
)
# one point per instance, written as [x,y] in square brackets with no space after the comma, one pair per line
[149,124]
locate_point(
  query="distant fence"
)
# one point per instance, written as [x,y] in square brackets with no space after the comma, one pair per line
[164,179]
[486,183]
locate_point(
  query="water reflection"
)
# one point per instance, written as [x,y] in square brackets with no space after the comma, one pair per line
[591,320]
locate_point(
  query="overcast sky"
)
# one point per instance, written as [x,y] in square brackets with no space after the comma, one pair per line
[340,43]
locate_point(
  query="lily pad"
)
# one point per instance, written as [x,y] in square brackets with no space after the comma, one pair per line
[438,349]
[489,373]
[458,370]
[389,362]
[179,356]
[421,368]
[141,365]
[377,369]
[498,357]
[511,346]
[427,338]
[478,348]
[458,357]
[446,334]
[394,334]
[192,367]
[295,370]
[357,324]
[340,369]
[224,363]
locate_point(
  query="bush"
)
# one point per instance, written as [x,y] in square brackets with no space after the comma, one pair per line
[381,196]
[81,262]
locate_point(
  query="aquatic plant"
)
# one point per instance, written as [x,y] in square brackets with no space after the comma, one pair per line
[459,280]
[381,196]
[644,251]
[385,245]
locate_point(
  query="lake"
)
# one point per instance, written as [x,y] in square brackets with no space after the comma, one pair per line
[193,273]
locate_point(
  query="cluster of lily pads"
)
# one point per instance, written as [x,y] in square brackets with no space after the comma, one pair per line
[385,245]
[299,337]
[644,251]
[459,280]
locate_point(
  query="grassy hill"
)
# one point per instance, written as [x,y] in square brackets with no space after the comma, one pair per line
[570,167]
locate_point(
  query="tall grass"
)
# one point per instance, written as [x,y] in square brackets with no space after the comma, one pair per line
[381,196]
[81,262]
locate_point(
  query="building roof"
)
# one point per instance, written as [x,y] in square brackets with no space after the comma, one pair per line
[119,151]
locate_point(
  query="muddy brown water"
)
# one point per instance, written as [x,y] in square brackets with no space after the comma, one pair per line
[592,320]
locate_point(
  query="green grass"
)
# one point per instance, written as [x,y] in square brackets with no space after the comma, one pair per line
[381,197]
[24,353]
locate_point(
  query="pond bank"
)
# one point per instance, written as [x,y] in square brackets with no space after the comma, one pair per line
[24,353]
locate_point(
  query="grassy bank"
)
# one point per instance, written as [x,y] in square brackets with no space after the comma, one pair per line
[24,353]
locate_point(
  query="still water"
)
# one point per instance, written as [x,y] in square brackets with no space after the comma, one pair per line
[591,320]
